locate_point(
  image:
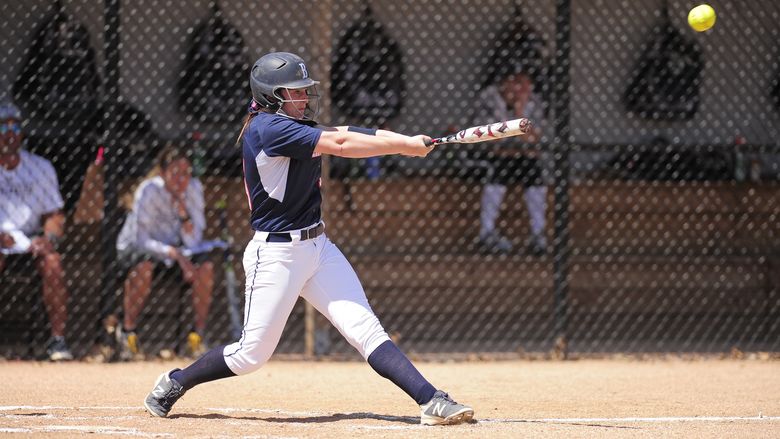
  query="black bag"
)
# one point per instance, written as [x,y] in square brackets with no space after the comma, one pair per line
[58,82]
[212,84]
[666,78]
[134,142]
[367,73]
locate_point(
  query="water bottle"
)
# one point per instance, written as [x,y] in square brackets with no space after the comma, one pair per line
[755,170]
[373,168]
[739,159]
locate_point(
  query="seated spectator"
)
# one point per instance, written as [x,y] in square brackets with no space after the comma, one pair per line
[32,223]
[511,96]
[164,229]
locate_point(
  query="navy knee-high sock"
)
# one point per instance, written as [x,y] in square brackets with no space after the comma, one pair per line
[209,367]
[388,361]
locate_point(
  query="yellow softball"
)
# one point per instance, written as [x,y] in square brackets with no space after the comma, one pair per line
[701,17]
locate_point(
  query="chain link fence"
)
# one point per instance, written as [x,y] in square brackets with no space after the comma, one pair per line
[640,215]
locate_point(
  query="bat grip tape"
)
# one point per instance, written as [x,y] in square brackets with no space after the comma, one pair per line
[361,130]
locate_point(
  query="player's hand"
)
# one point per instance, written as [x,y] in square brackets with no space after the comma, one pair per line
[187,227]
[6,240]
[40,246]
[416,147]
[187,269]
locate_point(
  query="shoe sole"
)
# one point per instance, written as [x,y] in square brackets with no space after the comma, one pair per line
[152,412]
[465,415]
[146,404]
[57,356]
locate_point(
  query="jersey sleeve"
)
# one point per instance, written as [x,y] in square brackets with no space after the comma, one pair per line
[288,138]
[147,205]
[196,208]
[50,197]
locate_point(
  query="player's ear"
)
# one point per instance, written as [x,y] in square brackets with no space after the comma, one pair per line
[275,103]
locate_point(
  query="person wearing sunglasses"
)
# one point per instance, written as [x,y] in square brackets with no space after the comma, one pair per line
[32,223]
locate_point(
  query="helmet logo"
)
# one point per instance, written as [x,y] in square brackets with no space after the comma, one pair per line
[303,71]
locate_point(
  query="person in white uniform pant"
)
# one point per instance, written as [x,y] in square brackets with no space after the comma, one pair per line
[290,255]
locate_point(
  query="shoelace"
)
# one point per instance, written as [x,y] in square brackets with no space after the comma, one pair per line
[446,397]
[171,396]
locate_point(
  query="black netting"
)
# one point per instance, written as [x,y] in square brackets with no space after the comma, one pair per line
[639,214]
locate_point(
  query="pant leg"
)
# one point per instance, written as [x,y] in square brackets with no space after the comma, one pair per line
[335,291]
[490,208]
[536,202]
[275,275]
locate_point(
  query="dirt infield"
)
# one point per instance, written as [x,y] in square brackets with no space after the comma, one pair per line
[286,399]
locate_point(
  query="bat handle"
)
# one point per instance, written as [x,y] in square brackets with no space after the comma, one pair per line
[431,142]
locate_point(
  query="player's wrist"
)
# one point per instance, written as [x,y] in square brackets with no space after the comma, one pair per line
[54,239]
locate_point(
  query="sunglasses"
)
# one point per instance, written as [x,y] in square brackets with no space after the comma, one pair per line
[10,126]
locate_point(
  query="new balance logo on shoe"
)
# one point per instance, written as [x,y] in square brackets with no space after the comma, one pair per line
[443,410]
[158,392]
[438,410]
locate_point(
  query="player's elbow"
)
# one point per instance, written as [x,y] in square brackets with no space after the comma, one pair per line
[331,142]
[343,144]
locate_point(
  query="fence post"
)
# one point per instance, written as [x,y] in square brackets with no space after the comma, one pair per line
[561,146]
[110,221]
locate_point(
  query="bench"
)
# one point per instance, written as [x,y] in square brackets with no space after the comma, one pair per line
[644,256]
[442,216]
[647,259]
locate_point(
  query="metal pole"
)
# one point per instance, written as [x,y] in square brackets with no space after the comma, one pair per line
[561,146]
[110,214]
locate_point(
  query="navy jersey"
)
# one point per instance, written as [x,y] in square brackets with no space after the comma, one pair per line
[281,173]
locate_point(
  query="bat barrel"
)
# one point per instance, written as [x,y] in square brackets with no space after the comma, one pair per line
[487,132]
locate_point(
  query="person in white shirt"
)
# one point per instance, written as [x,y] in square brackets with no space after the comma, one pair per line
[507,162]
[32,223]
[167,219]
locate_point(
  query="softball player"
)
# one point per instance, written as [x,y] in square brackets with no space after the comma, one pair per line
[290,255]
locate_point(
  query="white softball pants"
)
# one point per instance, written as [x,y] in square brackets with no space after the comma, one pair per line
[277,273]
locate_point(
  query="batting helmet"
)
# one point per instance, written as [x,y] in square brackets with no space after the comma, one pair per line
[275,71]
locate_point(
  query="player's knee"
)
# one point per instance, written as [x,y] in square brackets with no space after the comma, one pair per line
[366,334]
[51,264]
[247,356]
[53,259]
[143,270]
[206,269]
[257,352]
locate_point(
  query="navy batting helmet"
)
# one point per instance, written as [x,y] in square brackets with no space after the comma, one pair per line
[275,71]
